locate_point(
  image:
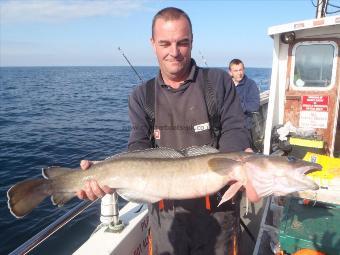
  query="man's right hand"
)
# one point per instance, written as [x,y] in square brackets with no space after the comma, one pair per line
[92,190]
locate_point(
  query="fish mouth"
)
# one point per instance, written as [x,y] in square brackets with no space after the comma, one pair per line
[311,184]
[308,183]
[312,167]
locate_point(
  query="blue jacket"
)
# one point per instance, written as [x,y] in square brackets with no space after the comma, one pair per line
[249,95]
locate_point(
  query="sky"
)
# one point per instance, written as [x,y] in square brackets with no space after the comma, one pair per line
[88,33]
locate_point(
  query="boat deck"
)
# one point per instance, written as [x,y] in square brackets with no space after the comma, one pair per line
[252,220]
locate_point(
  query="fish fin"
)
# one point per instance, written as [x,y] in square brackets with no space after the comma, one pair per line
[222,164]
[61,198]
[54,171]
[24,196]
[230,192]
[198,150]
[161,152]
[137,197]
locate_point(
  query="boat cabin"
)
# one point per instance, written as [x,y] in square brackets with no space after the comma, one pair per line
[303,109]
[305,83]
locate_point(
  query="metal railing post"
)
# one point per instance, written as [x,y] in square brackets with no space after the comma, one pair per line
[110,213]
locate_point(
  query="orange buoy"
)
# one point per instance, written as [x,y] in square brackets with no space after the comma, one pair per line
[308,252]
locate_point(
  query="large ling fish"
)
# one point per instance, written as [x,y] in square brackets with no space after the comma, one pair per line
[155,174]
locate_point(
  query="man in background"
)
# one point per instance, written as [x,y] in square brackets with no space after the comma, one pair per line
[247,91]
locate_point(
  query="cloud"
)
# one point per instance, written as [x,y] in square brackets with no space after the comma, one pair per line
[16,11]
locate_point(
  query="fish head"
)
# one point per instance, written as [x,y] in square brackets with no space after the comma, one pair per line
[279,175]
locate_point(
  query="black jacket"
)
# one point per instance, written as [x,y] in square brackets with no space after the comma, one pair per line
[234,135]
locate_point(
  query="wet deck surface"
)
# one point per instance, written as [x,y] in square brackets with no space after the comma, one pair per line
[253,221]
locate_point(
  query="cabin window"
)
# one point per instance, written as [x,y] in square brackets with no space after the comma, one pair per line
[314,65]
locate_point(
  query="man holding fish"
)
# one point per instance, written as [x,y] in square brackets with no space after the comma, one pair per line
[184,181]
[193,226]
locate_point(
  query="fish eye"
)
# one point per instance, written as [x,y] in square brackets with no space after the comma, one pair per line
[292,158]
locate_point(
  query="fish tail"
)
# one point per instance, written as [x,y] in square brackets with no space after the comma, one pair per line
[62,197]
[24,196]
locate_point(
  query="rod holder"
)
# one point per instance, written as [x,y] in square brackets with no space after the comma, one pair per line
[110,213]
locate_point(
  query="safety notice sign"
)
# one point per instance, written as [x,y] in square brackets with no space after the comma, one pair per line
[314,111]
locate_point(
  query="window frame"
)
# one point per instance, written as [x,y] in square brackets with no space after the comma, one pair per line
[334,68]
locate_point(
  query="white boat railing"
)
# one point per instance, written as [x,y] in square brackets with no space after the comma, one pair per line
[40,237]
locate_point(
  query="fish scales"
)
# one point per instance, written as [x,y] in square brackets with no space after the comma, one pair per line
[166,178]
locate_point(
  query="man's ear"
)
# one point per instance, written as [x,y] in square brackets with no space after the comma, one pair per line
[153,44]
[192,41]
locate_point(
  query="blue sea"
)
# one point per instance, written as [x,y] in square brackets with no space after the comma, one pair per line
[58,116]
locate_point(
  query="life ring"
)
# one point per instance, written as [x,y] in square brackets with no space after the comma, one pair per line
[308,252]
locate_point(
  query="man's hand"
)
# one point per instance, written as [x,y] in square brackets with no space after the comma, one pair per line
[92,190]
[249,150]
[250,191]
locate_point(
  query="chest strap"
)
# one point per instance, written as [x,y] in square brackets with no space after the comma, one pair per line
[210,101]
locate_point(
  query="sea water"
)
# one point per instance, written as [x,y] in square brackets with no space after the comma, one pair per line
[57,116]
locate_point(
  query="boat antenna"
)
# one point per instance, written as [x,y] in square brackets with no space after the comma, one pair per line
[127,60]
[203,58]
[321,8]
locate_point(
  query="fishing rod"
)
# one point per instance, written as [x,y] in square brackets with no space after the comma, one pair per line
[203,58]
[127,60]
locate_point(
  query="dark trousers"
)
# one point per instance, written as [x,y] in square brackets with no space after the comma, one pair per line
[186,227]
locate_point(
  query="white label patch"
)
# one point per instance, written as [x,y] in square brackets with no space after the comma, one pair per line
[157,134]
[202,127]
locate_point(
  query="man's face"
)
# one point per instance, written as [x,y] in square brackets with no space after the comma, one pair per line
[172,43]
[237,72]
